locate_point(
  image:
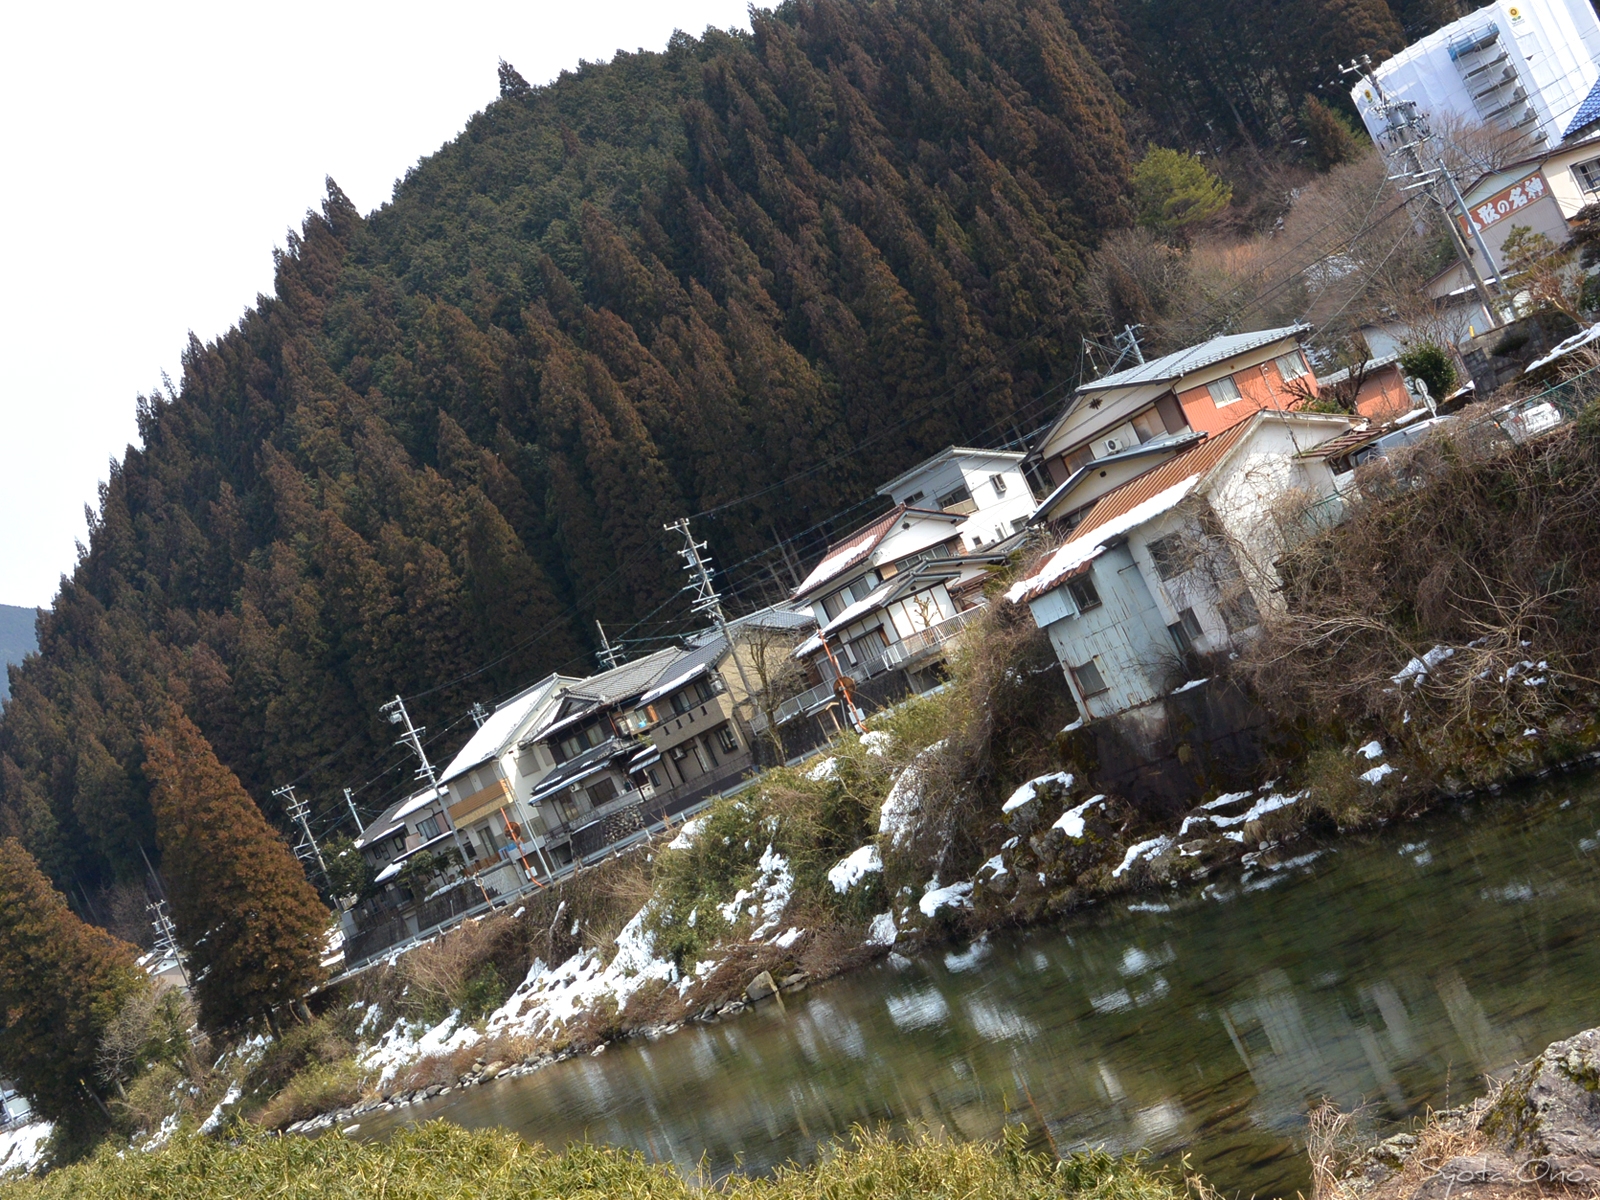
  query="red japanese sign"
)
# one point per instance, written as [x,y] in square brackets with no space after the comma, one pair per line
[1505,203]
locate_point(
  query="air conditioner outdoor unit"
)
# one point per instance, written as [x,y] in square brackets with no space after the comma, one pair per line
[1112,445]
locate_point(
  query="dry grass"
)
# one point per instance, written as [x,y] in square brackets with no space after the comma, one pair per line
[439,1160]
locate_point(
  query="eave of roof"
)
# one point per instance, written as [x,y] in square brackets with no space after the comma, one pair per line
[1172,444]
[944,456]
[1179,363]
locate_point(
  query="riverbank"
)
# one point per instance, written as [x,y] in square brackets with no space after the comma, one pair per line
[971,810]
[440,1160]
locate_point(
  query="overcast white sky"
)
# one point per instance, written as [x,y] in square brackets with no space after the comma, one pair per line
[156,153]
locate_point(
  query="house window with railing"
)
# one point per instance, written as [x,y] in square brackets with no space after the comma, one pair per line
[1588,176]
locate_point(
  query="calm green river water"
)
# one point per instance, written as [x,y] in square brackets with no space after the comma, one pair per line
[1392,970]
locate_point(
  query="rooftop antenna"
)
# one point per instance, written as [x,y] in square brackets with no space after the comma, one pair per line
[610,656]
[1124,345]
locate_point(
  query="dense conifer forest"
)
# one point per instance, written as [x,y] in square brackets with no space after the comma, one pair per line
[747,277]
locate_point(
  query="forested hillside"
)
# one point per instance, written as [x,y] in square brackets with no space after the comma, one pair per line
[747,277]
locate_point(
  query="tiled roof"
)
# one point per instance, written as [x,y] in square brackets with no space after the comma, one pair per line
[1179,363]
[1588,112]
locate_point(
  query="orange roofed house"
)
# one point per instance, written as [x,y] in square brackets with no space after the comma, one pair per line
[1121,425]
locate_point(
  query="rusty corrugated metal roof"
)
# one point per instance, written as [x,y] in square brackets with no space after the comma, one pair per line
[1196,460]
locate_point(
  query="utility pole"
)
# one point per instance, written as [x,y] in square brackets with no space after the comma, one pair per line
[705,595]
[354,815]
[396,712]
[1412,142]
[167,937]
[610,657]
[478,713]
[299,812]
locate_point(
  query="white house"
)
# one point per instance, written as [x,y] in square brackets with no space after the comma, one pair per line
[1180,560]
[986,486]
[492,778]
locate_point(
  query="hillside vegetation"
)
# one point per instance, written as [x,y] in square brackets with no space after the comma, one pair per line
[747,276]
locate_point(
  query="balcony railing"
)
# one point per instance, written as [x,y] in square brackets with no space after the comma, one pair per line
[909,648]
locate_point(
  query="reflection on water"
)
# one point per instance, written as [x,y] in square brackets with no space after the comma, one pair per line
[1382,973]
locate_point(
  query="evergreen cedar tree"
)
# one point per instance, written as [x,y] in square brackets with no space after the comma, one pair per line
[247,919]
[447,443]
[61,982]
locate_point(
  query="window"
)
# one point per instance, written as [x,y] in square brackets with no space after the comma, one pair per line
[727,739]
[834,605]
[1077,460]
[602,791]
[1090,681]
[655,780]
[682,702]
[1239,611]
[428,828]
[1167,554]
[1149,425]
[400,842]
[913,498]
[1224,391]
[575,745]
[1185,630]
[957,498]
[862,588]
[1292,365]
[1083,593]
[999,482]
[1588,175]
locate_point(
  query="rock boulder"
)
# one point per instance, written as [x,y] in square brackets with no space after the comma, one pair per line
[1550,1111]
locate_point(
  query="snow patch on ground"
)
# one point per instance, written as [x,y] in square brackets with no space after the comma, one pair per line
[788,937]
[824,771]
[1149,848]
[1371,750]
[882,931]
[877,742]
[22,1147]
[214,1122]
[1377,775]
[1028,790]
[1071,821]
[957,895]
[768,895]
[848,872]
[1418,668]
[997,865]
[898,816]
[687,834]
[1193,683]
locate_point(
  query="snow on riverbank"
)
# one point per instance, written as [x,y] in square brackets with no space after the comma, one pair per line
[22,1146]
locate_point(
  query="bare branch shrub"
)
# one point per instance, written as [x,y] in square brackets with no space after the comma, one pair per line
[1464,587]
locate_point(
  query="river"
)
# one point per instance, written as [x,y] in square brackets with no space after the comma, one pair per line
[1390,970]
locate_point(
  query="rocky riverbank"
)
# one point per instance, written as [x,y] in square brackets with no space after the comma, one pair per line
[1534,1134]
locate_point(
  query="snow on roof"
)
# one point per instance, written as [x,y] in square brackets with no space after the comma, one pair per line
[808,647]
[1181,362]
[1132,504]
[494,733]
[673,684]
[1089,546]
[1169,444]
[386,822]
[845,554]
[1577,341]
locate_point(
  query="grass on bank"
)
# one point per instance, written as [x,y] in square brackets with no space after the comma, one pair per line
[441,1160]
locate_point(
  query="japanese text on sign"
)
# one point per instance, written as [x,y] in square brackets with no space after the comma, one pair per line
[1504,203]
